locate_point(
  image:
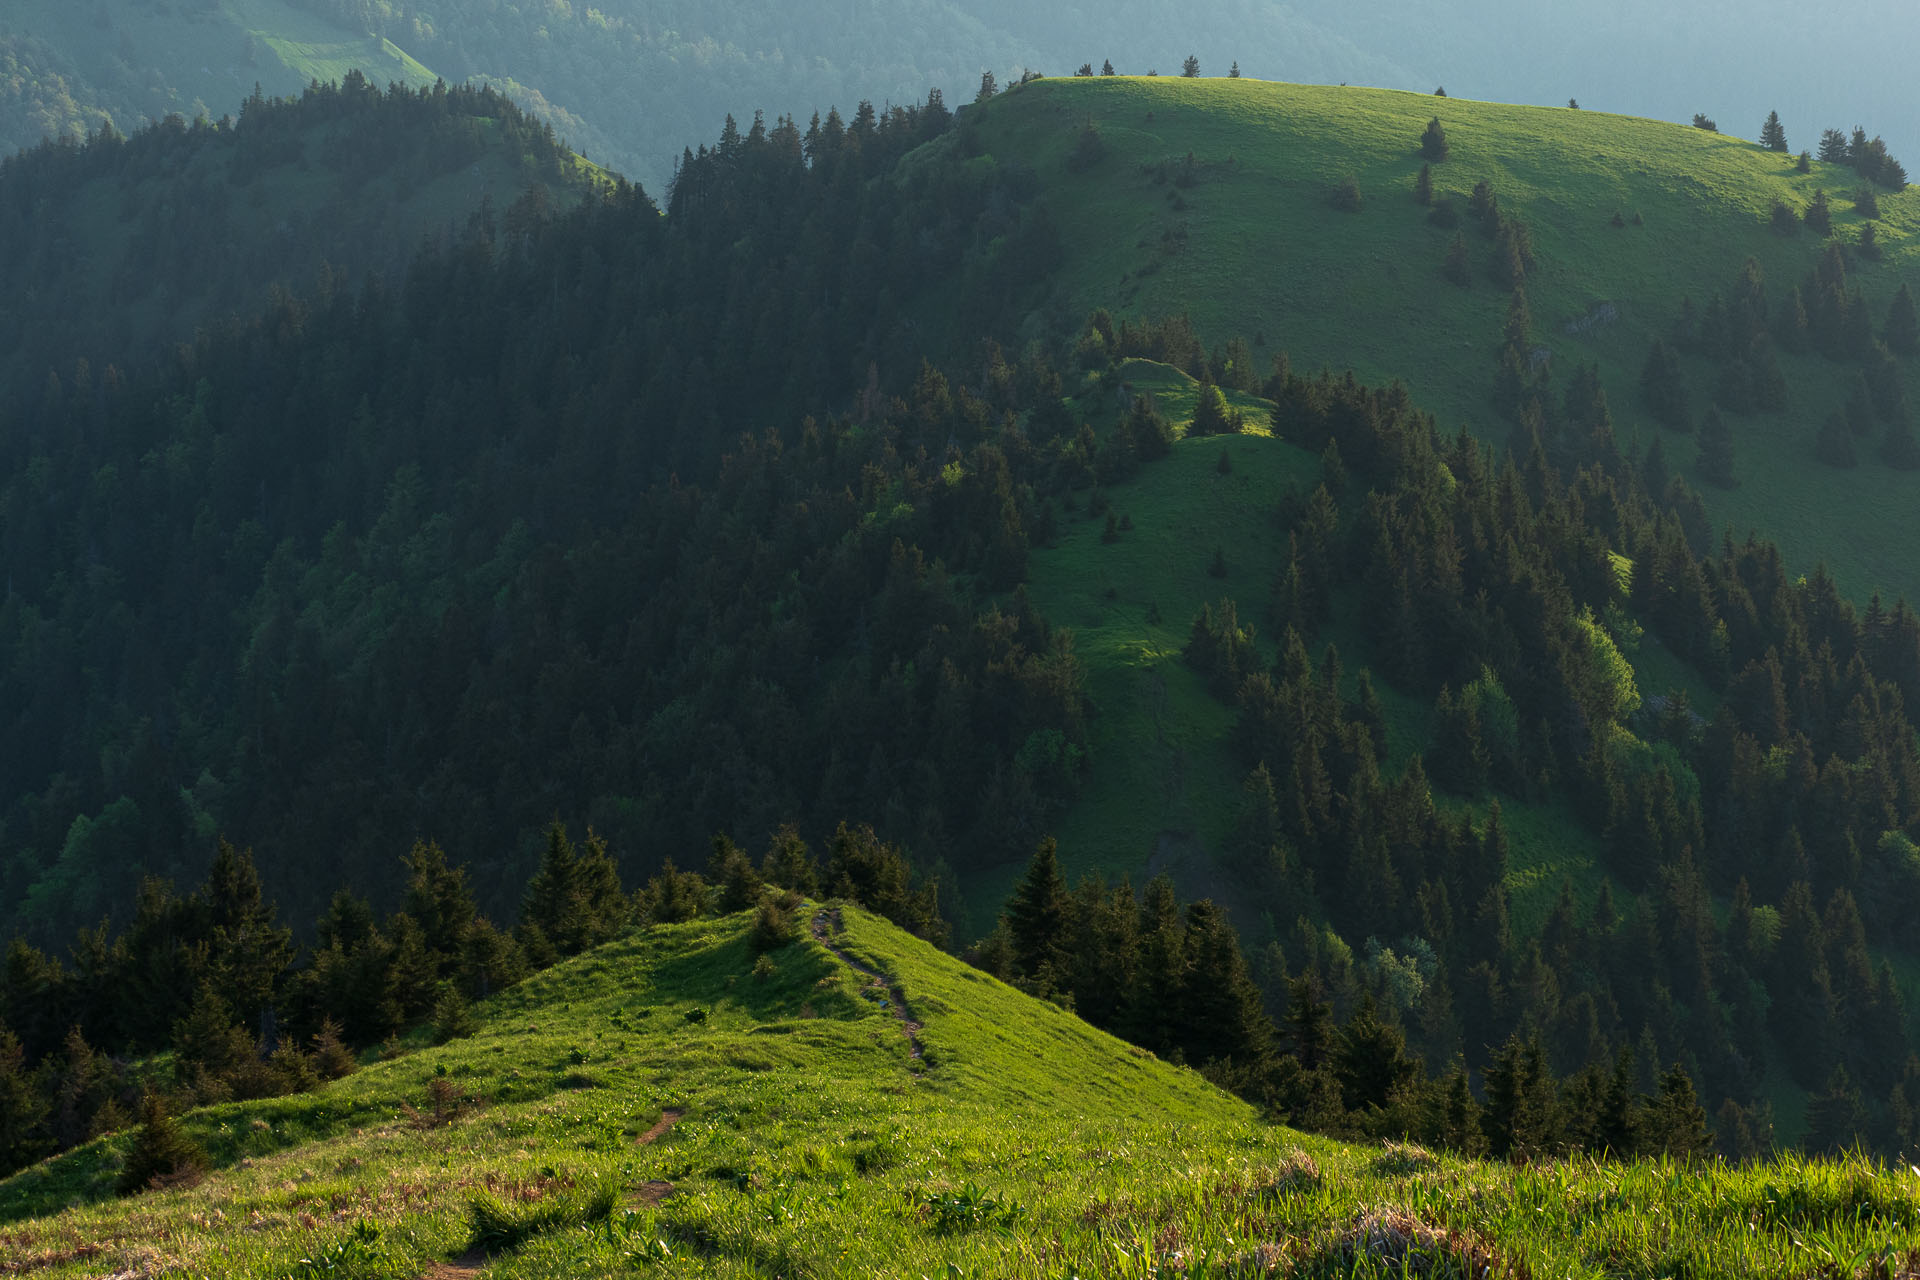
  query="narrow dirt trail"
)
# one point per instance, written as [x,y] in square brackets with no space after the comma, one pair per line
[470,1263]
[826,923]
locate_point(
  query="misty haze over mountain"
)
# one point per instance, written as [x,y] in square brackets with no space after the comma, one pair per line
[631,83]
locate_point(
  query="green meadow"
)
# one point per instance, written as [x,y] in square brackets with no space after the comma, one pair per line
[1212,197]
[808,1143]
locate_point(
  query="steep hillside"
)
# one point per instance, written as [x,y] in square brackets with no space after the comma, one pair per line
[669,1103]
[113,253]
[1213,197]
[71,67]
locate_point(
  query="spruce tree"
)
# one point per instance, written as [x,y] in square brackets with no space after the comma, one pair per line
[1834,445]
[1716,451]
[1773,134]
[1106,68]
[1423,186]
[789,863]
[1804,164]
[1037,919]
[23,1111]
[160,1150]
[1663,388]
[1833,146]
[1346,195]
[1219,1006]
[1836,1120]
[1210,414]
[1370,1060]
[1819,215]
[1675,1122]
[250,951]
[988,87]
[1309,1019]
[1869,246]
[1433,143]
[439,901]
[1190,69]
[1902,332]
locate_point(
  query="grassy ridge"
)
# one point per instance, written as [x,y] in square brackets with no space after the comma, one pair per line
[1253,248]
[1032,1146]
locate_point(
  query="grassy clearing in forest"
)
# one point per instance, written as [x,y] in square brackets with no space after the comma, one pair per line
[1031,1146]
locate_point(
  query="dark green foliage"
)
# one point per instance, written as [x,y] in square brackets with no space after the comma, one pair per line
[1700,121]
[1675,1124]
[1869,244]
[574,901]
[1804,164]
[1370,1060]
[1346,195]
[1716,451]
[672,897]
[1834,444]
[1211,416]
[774,925]
[1037,916]
[1836,1120]
[1866,203]
[1191,67]
[1433,142]
[1773,134]
[452,1016]
[1833,146]
[1663,388]
[1089,148]
[1898,449]
[729,868]
[1782,219]
[23,1111]
[1518,1119]
[1106,68]
[1902,332]
[789,864]
[1219,648]
[865,869]
[1423,186]
[161,1153]
[1819,215]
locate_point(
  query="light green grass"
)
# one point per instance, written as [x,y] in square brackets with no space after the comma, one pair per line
[1030,1146]
[1265,256]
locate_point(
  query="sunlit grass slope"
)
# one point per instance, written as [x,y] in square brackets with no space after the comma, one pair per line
[1253,248]
[1028,1145]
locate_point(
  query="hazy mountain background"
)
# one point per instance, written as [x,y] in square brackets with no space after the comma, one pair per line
[632,82]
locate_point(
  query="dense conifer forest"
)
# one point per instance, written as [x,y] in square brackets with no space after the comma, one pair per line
[612,532]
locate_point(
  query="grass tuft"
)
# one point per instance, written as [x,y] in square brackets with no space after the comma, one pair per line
[499,1227]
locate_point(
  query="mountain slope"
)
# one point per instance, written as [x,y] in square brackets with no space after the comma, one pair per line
[1247,242]
[73,67]
[784,1130]
[115,253]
